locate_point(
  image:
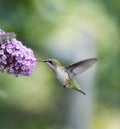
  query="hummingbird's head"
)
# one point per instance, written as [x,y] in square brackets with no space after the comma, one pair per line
[53,63]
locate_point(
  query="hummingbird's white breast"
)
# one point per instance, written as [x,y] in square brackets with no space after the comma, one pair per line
[62,75]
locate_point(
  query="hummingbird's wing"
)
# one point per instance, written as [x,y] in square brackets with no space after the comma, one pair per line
[80,66]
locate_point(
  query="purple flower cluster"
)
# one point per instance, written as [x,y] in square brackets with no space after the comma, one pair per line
[15,58]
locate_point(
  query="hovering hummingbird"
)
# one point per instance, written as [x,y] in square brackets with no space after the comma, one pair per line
[65,74]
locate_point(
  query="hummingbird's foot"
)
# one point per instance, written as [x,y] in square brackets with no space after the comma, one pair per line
[64,86]
[67,86]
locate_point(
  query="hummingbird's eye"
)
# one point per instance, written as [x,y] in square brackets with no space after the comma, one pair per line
[50,62]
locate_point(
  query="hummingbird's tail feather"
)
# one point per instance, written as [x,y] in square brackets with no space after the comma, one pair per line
[76,87]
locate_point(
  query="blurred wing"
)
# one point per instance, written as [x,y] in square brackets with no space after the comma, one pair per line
[81,66]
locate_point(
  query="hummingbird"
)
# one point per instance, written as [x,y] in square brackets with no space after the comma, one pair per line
[66,74]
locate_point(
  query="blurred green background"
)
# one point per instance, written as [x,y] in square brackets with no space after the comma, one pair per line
[69,30]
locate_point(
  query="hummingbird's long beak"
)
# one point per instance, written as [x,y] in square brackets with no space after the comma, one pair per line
[40,60]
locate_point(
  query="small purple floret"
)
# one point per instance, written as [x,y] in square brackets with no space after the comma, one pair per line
[15,58]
